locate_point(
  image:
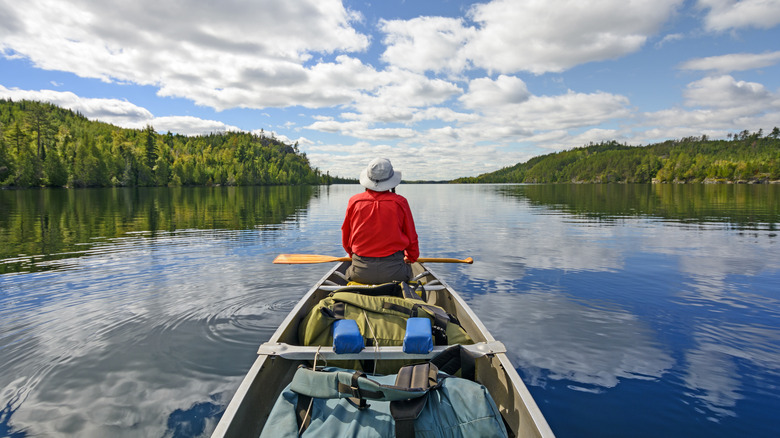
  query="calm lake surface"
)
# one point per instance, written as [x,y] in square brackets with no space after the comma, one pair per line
[628,310]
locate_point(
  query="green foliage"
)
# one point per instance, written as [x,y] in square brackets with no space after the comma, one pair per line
[44,145]
[745,157]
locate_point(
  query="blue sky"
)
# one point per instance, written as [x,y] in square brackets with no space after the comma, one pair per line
[443,88]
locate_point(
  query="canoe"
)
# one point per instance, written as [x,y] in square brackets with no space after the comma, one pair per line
[278,359]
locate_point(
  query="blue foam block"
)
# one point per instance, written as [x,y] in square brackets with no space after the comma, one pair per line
[418,338]
[347,337]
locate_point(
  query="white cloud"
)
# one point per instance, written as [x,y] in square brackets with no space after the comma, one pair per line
[225,54]
[713,121]
[733,62]
[715,106]
[537,37]
[445,115]
[509,116]
[119,112]
[400,94]
[596,135]
[426,43]
[570,110]
[736,14]
[669,38]
[188,125]
[726,92]
[417,159]
[544,37]
[114,111]
[487,93]
[362,130]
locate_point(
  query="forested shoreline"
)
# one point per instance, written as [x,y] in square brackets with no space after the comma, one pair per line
[742,158]
[42,145]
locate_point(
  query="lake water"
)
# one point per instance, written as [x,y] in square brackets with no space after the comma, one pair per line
[628,310]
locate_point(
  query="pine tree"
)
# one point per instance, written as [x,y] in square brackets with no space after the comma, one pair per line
[150,141]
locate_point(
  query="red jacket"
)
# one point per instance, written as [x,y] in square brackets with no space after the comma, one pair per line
[378,224]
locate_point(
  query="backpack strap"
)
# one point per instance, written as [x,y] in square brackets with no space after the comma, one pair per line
[339,308]
[408,293]
[439,326]
[405,412]
[440,318]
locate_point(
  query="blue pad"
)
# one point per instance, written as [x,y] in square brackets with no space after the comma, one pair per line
[418,338]
[347,337]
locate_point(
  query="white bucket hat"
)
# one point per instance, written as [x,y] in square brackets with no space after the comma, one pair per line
[379,175]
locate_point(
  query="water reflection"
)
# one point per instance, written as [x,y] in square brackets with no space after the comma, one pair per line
[716,373]
[745,206]
[115,345]
[138,323]
[552,336]
[42,229]
[628,311]
[598,287]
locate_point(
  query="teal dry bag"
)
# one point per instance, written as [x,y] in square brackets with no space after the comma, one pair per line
[420,401]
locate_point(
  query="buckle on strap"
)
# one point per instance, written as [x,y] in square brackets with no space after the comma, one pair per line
[353,389]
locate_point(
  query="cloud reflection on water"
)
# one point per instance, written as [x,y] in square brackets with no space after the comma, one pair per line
[551,336]
[139,332]
[560,323]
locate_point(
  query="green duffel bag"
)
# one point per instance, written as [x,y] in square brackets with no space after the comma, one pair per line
[381,320]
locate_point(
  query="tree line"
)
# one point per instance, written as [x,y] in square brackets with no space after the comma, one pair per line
[43,145]
[743,157]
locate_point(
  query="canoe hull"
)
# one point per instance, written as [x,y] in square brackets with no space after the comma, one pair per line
[251,404]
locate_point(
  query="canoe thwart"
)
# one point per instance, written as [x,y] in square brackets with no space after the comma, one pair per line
[300,352]
[332,288]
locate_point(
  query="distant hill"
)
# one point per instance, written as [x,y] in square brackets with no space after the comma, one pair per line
[45,145]
[745,157]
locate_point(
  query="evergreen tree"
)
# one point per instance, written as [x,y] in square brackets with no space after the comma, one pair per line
[6,164]
[28,169]
[38,118]
[150,140]
[55,172]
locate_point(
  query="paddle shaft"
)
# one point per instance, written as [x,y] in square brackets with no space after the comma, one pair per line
[293,259]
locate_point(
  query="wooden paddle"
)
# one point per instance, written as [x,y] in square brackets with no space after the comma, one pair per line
[296,259]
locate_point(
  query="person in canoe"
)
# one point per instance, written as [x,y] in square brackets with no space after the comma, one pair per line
[378,231]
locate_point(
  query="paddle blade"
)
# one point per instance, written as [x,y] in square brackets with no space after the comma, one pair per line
[299,259]
[468,260]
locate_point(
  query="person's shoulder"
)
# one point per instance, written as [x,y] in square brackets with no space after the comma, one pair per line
[397,198]
[359,194]
[357,197]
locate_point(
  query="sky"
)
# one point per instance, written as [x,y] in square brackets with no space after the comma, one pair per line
[444,89]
